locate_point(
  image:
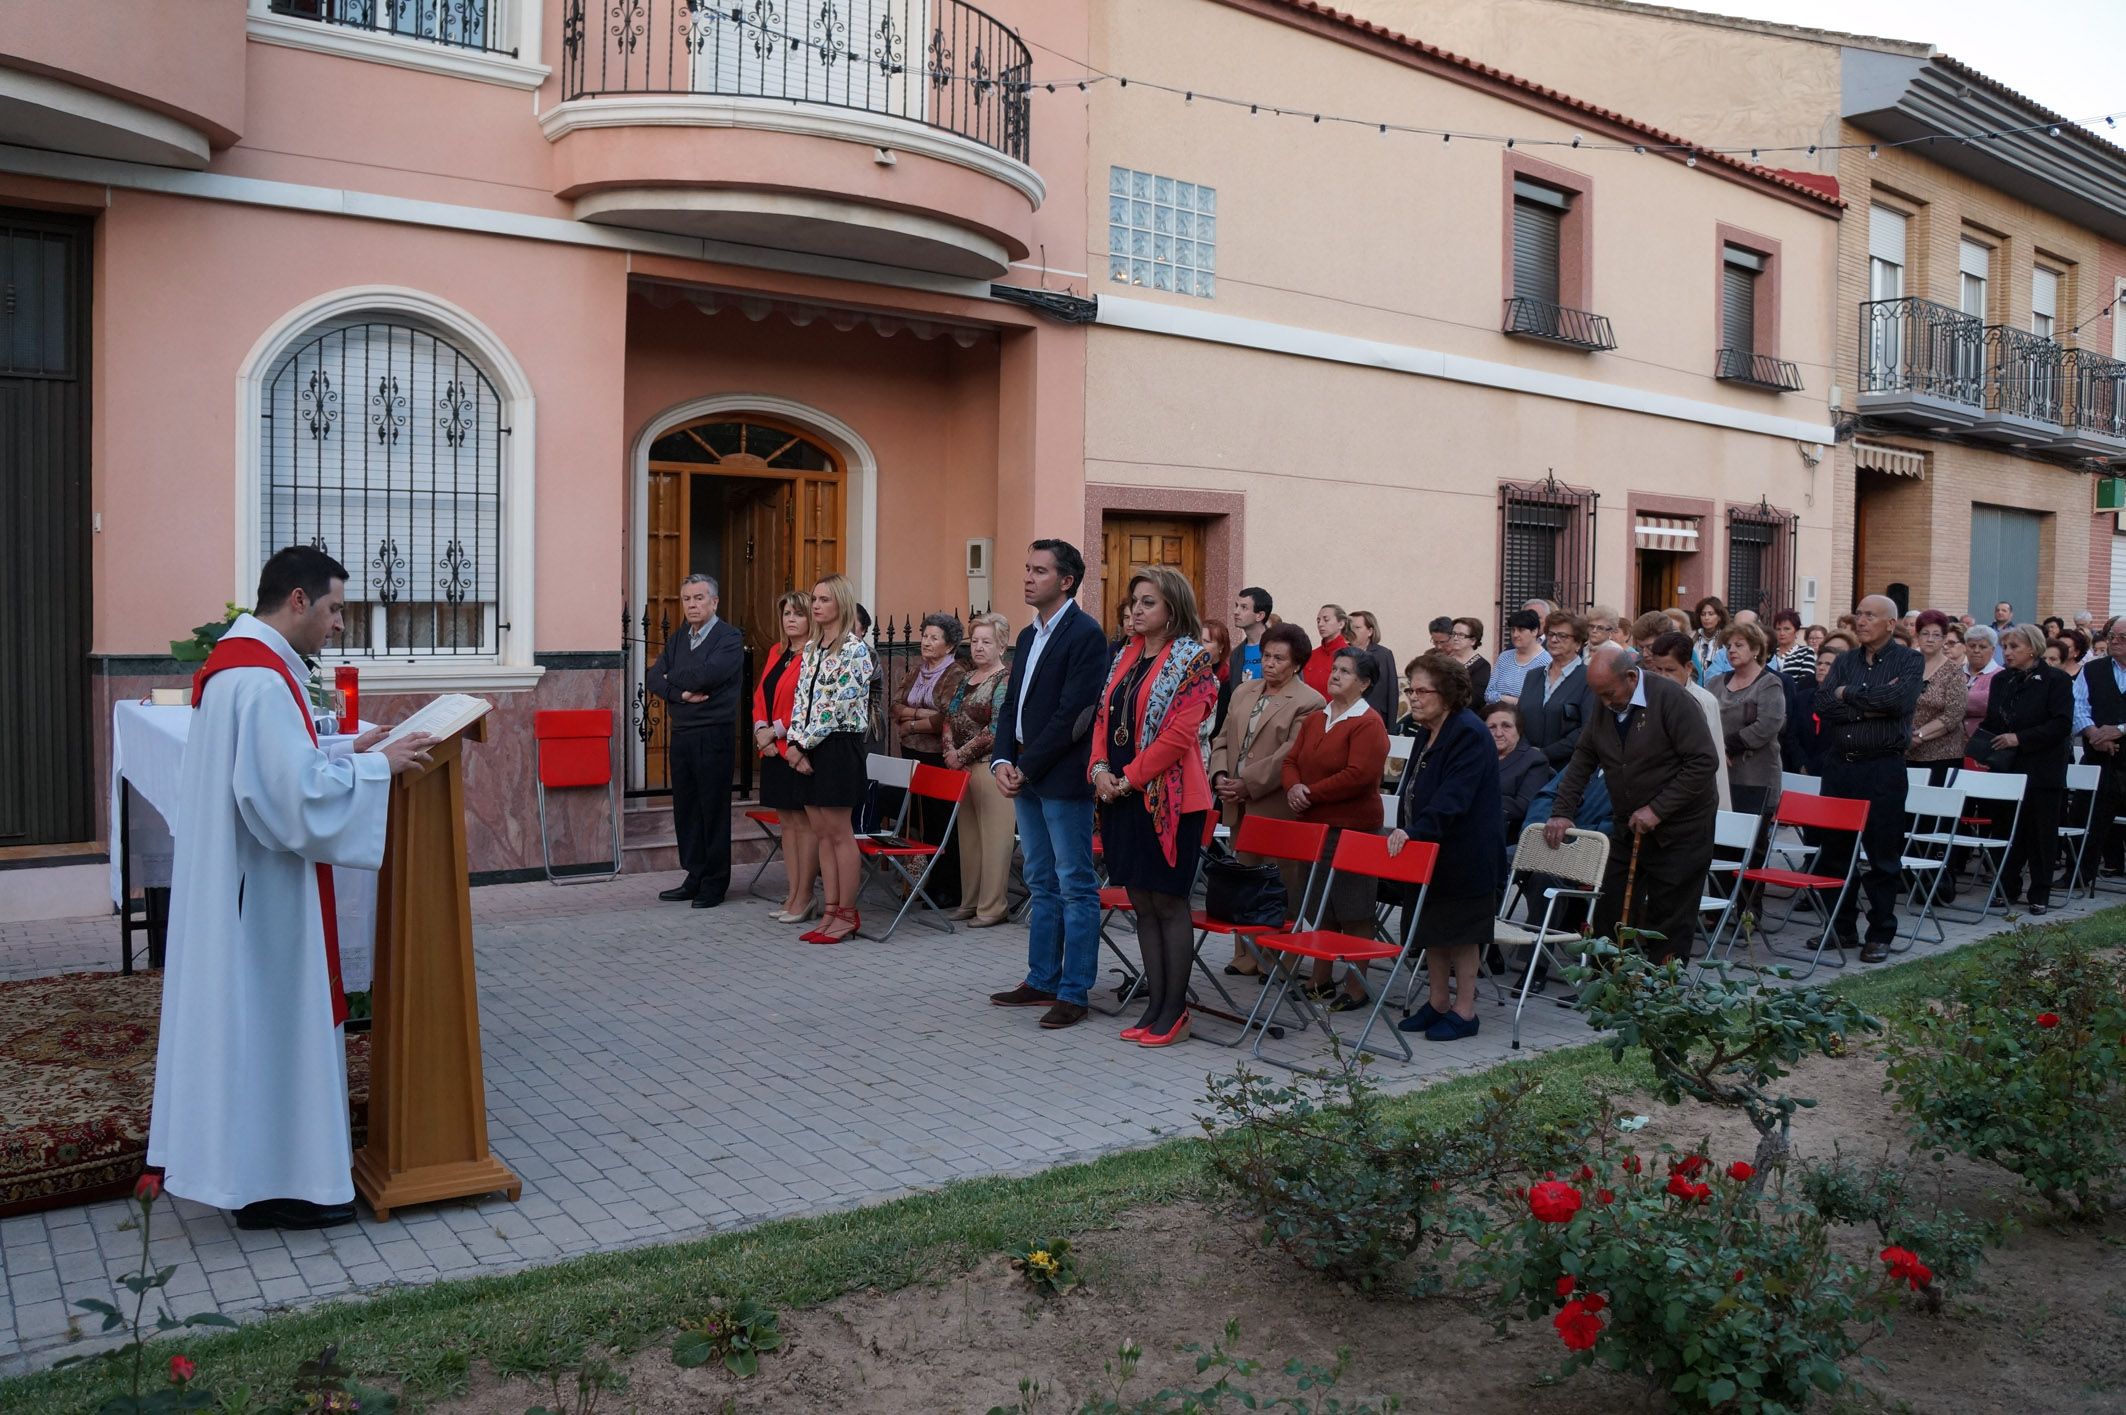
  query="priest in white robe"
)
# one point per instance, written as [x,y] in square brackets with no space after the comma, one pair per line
[250,1072]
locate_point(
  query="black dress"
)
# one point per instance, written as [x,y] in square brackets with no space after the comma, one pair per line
[1128,836]
[781,788]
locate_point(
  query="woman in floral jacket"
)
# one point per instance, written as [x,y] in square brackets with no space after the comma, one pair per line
[828,720]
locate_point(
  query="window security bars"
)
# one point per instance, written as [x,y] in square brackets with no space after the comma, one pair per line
[939,62]
[1756,370]
[458,24]
[1760,559]
[1546,546]
[383,446]
[1576,329]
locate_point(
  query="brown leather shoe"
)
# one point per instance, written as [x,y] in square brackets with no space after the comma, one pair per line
[1022,996]
[1063,1014]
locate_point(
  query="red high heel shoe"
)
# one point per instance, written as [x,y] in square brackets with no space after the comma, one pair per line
[1178,1033]
[1135,1034]
[834,914]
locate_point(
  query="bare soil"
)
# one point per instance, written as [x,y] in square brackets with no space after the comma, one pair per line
[2041,1328]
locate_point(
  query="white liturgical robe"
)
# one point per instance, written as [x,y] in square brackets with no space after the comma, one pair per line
[250,1068]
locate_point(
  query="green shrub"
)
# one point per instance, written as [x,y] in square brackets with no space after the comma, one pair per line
[1881,1195]
[2020,1066]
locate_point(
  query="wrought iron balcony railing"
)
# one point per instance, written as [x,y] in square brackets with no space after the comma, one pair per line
[2023,374]
[2096,388]
[1539,319]
[1756,370]
[459,24]
[939,62]
[1916,346]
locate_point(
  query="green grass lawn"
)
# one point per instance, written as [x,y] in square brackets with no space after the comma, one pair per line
[426,1339]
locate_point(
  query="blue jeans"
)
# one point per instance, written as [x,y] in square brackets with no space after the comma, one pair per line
[1063,922]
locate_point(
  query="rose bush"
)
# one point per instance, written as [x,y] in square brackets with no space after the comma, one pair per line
[2021,1065]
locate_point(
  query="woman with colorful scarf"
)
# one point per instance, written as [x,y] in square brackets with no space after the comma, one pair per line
[1154,798]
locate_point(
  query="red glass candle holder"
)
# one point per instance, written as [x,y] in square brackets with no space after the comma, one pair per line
[347,679]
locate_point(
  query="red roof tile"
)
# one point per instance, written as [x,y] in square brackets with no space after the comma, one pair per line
[1806,184]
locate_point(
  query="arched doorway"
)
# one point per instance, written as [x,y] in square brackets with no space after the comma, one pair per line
[755,502]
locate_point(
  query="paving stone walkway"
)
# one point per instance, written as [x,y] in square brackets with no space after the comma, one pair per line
[656,1072]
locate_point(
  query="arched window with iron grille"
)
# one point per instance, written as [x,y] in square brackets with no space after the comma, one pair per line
[383,445]
[1546,546]
[1760,559]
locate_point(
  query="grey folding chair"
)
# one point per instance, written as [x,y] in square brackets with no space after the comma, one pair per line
[1579,861]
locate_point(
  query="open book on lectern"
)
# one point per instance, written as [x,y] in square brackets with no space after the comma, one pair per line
[442,717]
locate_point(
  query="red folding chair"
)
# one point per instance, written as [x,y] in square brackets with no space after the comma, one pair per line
[1294,842]
[891,853]
[1365,854]
[1815,813]
[770,823]
[571,748]
[1114,903]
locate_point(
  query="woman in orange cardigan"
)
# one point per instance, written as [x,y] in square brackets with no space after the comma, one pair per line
[1332,777]
[1154,798]
[780,788]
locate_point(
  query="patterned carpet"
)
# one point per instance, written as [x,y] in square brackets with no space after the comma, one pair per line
[77,1075]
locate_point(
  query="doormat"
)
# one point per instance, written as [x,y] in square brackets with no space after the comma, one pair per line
[77,1078]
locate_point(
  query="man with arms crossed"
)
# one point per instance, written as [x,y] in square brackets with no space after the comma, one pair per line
[1040,761]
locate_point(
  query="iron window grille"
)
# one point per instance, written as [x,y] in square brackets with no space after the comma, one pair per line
[1575,329]
[383,445]
[457,24]
[1756,370]
[1760,559]
[1546,546]
[940,62]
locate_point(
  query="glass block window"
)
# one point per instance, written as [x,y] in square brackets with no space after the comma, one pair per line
[1161,233]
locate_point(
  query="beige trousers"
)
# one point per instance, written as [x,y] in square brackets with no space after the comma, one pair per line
[988,830]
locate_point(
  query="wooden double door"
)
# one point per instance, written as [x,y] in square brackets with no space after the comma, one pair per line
[1131,543]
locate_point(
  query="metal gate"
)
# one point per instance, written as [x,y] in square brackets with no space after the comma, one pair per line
[1546,546]
[1760,559]
[46,794]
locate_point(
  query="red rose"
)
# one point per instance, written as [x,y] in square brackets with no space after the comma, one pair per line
[1683,1188]
[181,1369]
[1577,1326]
[1554,1201]
[1586,1172]
[1631,1164]
[1594,1301]
[1566,1284]
[1688,1166]
[2048,1020]
[1740,1274]
[1605,1196]
[149,1188]
[1740,1172]
[1905,1266]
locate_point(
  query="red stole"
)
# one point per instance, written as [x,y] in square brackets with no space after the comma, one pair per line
[252,653]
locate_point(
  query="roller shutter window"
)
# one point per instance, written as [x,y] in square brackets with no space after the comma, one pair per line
[2044,301]
[1538,228]
[1739,270]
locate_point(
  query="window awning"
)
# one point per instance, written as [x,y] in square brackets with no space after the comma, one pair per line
[1665,532]
[1897,461]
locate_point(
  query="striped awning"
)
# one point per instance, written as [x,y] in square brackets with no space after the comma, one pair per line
[1666,532]
[1897,461]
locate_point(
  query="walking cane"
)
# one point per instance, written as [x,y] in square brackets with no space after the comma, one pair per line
[1631,882]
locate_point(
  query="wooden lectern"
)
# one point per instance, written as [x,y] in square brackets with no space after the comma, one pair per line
[427,1094]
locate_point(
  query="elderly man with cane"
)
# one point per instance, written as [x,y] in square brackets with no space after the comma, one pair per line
[1650,741]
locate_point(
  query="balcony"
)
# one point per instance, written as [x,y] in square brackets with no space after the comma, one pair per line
[1753,370]
[161,84]
[1554,324]
[1922,364]
[2023,388]
[2095,414]
[473,25]
[890,131]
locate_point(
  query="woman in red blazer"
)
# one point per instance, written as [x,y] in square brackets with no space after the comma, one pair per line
[1147,775]
[781,789]
[1332,777]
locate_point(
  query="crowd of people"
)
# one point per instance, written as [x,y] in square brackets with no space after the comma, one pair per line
[1093,755]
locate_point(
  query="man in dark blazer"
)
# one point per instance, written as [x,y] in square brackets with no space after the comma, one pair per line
[1552,716]
[699,676]
[1040,760]
[1649,739]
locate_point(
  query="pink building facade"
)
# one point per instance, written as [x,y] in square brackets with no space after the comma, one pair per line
[521,308]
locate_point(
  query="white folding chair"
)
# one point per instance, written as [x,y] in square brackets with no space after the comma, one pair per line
[2086,779]
[1579,861]
[1933,812]
[2002,786]
[1735,846]
[1918,776]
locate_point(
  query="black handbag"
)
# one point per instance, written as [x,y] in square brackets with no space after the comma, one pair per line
[1243,894]
[1981,750]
